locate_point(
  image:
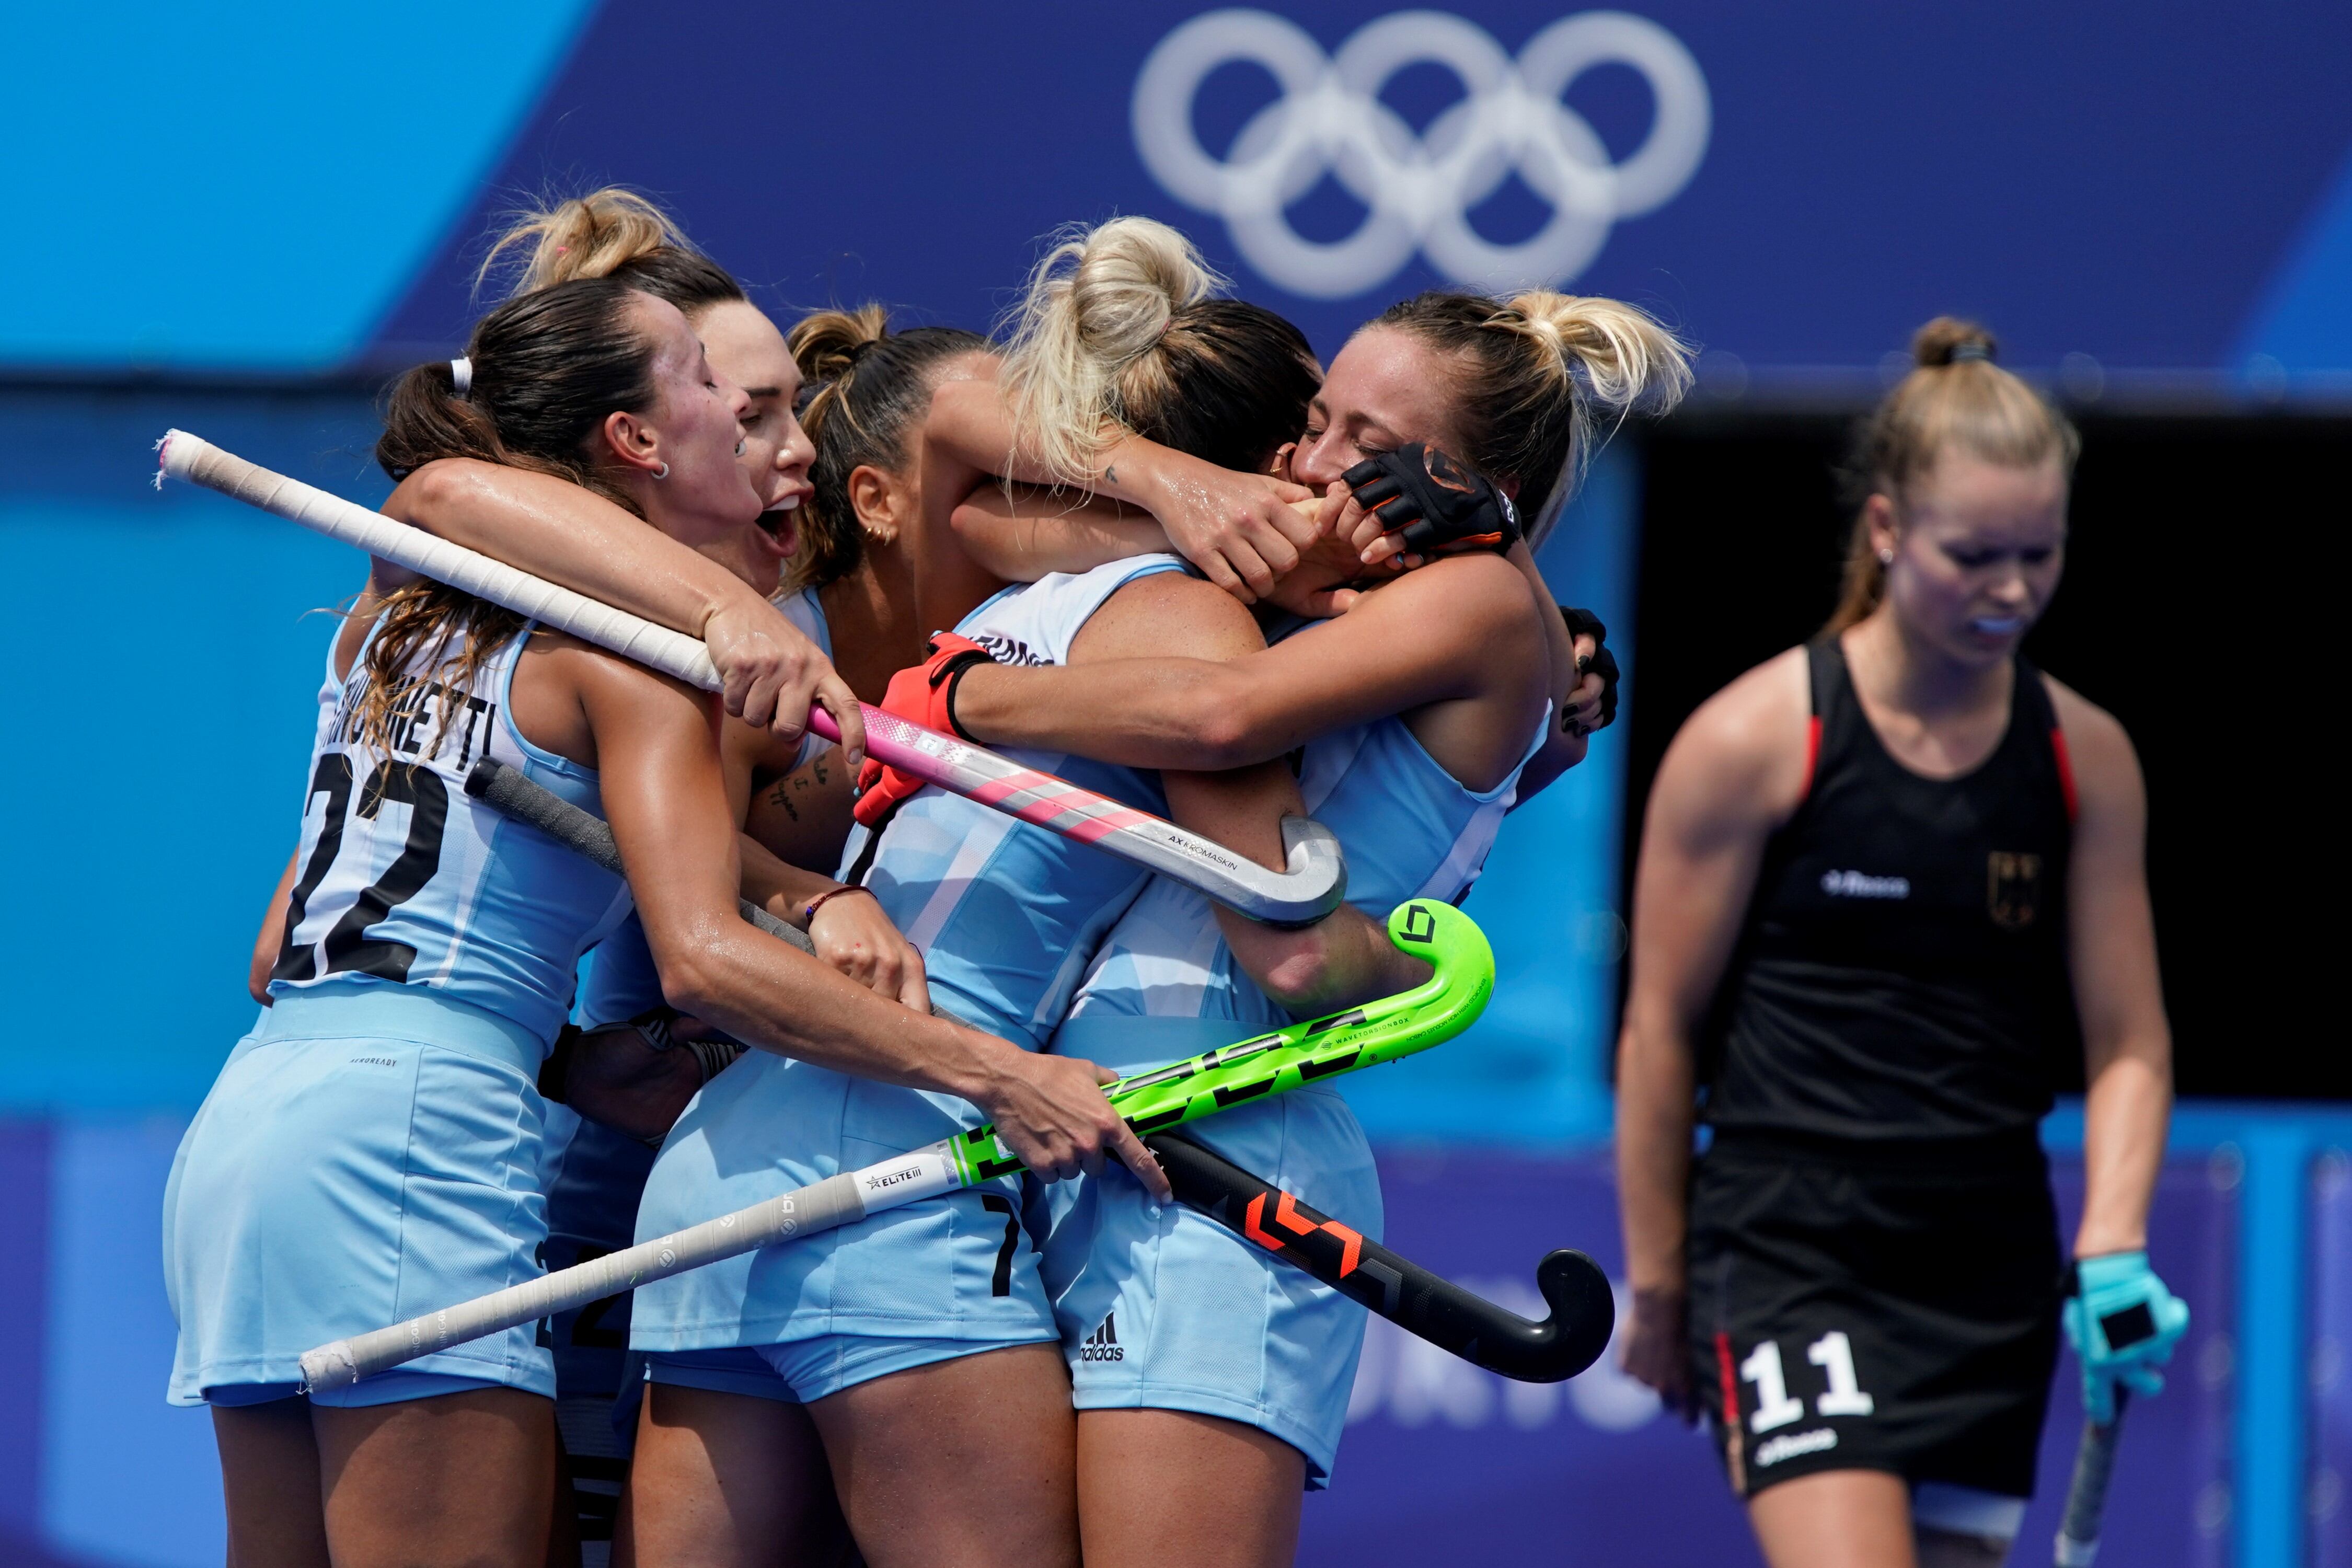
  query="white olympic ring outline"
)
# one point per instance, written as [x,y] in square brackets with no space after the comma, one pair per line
[1419,189]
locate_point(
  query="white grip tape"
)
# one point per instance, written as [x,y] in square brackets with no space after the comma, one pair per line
[925,1174]
[198,461]
[1310,889]
[835,1201]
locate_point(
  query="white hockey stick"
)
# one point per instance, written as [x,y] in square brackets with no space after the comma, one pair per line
[1309,887]
[1462,977]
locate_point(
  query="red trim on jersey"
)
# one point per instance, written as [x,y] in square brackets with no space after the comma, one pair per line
[1812,754]
[2065,768]
[1735,1451]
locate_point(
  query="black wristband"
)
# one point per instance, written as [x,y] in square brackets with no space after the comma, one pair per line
[951,676]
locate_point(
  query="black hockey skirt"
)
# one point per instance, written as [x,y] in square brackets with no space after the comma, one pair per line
[1893,1310]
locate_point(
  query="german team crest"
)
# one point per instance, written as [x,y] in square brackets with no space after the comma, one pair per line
[2012,889]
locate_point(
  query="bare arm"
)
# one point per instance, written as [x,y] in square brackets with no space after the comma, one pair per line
[2111,938]
[1734,773]
[1023,535]
[665,793]
[1342,959]
[271,939]
[802,818]
[556,530]
[851,932]
[1241,529]
[1457,630]
[1575,695]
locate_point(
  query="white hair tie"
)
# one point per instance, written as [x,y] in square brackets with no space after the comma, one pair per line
[461,371]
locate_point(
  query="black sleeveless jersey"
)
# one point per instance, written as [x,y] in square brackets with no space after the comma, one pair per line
[1902,974]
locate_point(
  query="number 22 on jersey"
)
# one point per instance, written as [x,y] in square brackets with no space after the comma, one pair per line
[346,948]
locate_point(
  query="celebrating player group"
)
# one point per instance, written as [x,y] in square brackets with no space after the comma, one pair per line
[1203,680]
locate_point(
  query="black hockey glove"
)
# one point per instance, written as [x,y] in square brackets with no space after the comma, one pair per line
[1434,504]
[1585,624]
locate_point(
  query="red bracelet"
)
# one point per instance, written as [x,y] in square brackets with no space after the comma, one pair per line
[808,914]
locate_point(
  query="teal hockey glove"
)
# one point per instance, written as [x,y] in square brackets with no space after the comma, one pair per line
[2123,1322]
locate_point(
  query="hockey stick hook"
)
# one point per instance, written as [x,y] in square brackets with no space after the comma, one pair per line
[1423,1303]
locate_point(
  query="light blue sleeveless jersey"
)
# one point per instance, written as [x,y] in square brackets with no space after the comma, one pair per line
[1202,1321]
[1007,916]
[377,1147]
[407,879]
[1409,830]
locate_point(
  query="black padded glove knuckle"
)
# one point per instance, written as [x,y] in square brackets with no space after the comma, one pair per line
[1585,624]
[1433,502]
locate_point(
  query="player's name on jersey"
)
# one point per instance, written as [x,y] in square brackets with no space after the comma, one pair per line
[421,712]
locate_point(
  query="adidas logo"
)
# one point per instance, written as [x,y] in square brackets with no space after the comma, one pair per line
[1103,1343]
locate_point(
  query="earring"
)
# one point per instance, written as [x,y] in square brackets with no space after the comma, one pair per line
[661,471]
[1886,558]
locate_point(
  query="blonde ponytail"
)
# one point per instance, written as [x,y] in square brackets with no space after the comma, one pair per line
[1623,357]
[1956,397]
[587,237]
[1097,304]
[1538,374]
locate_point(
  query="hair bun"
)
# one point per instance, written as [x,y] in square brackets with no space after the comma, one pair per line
[1130,277]
[1099,302]
[1948,339]
[585,236]
[826,344]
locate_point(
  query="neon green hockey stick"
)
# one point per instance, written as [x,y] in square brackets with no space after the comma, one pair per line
[1382,1031]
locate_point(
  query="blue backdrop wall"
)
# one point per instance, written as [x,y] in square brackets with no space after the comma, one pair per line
[240,213]
[285,188]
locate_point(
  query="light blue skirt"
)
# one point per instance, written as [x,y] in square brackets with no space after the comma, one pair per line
[368,1153]
[1160,1307]
[957,1268]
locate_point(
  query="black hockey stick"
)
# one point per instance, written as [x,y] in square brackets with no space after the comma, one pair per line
[1417,1300]
[1583,1310]
[2086,1496]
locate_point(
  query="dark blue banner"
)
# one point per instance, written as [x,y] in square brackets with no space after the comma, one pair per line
[2163,196]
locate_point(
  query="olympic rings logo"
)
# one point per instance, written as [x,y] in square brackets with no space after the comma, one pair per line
[1419,189]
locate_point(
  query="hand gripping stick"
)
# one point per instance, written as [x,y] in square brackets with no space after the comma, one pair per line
[1311,885]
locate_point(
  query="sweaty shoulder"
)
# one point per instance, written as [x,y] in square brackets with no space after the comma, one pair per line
[1476,587]
[1476,596]
[1168,613]
[1747,752]
[560,682]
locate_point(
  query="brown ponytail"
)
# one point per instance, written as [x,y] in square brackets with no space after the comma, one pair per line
[1955,396]
[871,388]
[548,366]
